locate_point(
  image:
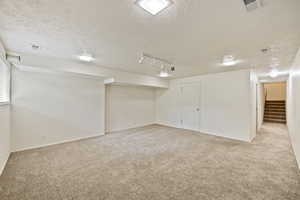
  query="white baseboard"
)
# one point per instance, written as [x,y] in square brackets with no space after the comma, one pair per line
[60,142]
[3,165]
[131,127]
[208,133]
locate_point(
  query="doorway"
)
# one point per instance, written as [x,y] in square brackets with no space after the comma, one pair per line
[275,102]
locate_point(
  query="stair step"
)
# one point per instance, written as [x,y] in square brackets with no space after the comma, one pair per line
[275,101]
[274,117]
[274,106]
[275,113]
[275,121]
[275,109]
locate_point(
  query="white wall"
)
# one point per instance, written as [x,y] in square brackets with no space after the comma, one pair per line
[4,135]
[293,106]
[129,106]
[4,123]
[253,104]
[260,104]
[52,108]
[226,104]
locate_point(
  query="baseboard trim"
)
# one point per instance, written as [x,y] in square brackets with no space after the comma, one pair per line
[207,133]
[133,127]
[61,142]
[4,164]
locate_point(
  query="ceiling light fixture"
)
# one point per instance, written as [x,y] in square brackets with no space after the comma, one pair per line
[164,74]
[274,73]
[229,60]
[166,67]
[154,6]
[86,57]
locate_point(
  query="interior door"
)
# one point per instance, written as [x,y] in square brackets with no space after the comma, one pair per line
[190,106]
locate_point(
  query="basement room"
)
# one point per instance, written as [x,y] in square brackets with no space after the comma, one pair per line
[149,100]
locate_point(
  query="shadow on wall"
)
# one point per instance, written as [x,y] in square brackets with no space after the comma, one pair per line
[52,108]
[32,129]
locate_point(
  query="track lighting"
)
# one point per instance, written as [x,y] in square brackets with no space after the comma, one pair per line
[166,67]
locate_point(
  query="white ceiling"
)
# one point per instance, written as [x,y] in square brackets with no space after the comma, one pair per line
[193,34]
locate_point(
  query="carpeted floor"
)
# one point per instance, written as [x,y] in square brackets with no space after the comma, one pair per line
[157,163]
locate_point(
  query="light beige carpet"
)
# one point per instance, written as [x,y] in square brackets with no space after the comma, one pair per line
[157,163]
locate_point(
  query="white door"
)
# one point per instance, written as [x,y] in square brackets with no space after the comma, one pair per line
[190,106]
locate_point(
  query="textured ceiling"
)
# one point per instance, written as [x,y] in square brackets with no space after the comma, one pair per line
[193,34]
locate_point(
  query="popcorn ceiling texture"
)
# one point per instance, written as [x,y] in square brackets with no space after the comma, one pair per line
[157,163]
[193,34]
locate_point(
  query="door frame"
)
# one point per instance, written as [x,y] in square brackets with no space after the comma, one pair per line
[199,107]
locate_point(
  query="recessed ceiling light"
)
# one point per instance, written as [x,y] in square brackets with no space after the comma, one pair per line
[229,60]
[154,6]
[86,57]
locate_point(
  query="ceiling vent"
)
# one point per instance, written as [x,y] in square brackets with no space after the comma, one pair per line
[251,4]
[254,4]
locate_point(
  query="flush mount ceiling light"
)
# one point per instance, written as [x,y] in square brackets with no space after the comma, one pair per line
[86,57]
[229,60]
[274,73]
[154,6]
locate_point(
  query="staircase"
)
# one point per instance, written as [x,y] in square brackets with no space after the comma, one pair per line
[275,112]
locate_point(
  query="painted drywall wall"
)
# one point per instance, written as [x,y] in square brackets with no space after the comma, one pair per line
[275,91]
[225,104]
[53,108]
[4,135]
[2,50]
[129,106]
[260,104]
[293,106]
[5,141]
[253,103]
